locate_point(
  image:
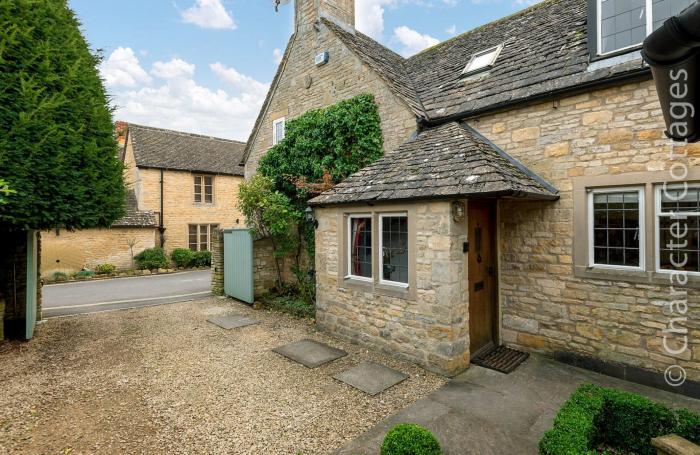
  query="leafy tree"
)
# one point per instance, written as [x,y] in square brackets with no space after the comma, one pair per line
[57,148]
[270,214]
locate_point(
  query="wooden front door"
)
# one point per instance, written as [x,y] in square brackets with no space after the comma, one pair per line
[483,310]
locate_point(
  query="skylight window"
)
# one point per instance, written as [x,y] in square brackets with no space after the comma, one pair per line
[482,61]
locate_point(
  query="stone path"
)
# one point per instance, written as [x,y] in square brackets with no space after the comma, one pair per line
[486,412]
[310,353]
[369,377]
[232,321]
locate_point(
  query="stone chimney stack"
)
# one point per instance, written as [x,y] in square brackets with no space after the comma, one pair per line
[308,12]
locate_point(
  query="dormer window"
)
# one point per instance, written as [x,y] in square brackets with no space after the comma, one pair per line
[622,25]
[482,61]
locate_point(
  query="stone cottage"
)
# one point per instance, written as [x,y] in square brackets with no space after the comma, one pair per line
[521,199]
[182,186]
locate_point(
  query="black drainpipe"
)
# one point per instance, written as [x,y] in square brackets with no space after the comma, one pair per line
[673,52]
[161,227]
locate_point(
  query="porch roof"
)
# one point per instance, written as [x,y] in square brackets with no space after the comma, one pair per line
[451,160]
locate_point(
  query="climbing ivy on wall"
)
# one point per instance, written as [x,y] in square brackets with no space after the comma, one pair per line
[336,141]
[321,148]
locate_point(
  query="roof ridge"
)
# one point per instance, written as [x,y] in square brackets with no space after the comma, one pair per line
[183,133]
[388,80]
[522,12]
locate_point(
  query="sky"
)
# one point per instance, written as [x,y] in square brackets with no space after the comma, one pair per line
[204,66]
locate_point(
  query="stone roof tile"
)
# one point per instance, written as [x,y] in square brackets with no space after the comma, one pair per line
[451,160]
[174,150]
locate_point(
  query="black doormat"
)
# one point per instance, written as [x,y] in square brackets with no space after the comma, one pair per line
[500,358]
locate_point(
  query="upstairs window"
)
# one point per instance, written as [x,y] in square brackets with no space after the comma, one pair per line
[203,189]
[623,24]
[277,131]
[482,61]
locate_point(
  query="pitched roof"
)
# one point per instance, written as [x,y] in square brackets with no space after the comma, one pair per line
[175,150]
[451,160]
[133,217]
[389,65]
[266,103]
[545,50]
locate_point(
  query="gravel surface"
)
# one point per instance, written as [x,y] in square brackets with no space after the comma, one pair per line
[163,380]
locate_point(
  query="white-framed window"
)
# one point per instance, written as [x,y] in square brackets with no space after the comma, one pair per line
[678,228]
[623,24]
[482,61]
[616,228]
[393,249]
[360,247]
[200,236]
[277,130]
[204,189]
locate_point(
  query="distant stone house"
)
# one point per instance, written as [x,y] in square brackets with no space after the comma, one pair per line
[521,197]
[181,187]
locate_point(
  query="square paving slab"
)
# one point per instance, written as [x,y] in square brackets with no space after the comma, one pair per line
[232,321]
[370,377]
[310,353]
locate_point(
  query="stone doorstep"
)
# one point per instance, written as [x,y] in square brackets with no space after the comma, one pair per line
[310,353]
[371,378]
[673,444]
[233,321]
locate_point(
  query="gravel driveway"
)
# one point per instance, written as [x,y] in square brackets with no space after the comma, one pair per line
[163,380]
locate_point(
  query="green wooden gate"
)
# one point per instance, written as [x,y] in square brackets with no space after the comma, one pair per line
[30,312]
[238,264]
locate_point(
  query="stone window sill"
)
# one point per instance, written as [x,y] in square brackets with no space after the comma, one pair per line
[633,276]
[400,292]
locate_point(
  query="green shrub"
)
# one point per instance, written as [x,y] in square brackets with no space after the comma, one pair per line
[84,275]
[574,426]
[202,259]
[410,439]
[595,416]
[292,304]
[629,421]
[59,276]
[151,258]
[182,257]
[688,425]
[58,153]
[105,269]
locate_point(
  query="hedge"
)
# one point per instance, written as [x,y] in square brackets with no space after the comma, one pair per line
[58,154]
[626,421]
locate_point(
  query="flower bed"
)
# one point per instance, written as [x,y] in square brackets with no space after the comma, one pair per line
[596,419]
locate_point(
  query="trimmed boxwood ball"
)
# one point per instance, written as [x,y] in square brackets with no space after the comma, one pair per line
[410,439]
